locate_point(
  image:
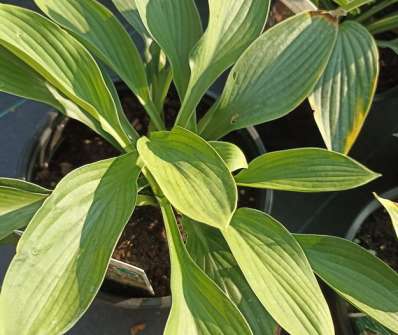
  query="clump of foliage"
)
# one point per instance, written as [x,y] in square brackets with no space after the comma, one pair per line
[240,272]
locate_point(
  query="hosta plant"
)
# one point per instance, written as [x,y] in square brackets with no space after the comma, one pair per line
[240,271]
[343,96]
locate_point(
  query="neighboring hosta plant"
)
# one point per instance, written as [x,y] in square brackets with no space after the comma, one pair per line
[240,272]
[342,98]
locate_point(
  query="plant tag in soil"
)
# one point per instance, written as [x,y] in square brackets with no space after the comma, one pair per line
[121,272]
[129,275]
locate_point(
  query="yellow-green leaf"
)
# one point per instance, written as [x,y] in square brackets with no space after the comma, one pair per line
[19,79]
[278,272]
[63,255]
[305,170]
[63,62]
[199,305]
[19,201]
[343,96]
[209,250]
[358,276]
[191,174]
[274,75]
[231,154]
[392,209]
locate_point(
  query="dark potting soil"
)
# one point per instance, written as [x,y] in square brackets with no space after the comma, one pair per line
[377,235]
[143,242]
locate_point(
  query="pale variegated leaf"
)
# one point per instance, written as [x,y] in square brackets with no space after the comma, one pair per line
[274,75]
[278,272]
[343,96]
[65,250]
[199,305]
[233,25]
[305,170]
[63,62]
[209,250]
[191,174]
[392,209]
[358,276]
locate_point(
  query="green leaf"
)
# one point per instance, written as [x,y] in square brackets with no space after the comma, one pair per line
[99,30]
[191,174]
[199,306]
[274,75]
[305,170]
[350,5]
[392,209]
[175,25]
[128,9]
[63,255]
[19,201]
[231,154]
[278,272]
[393,45]
[233,25]
[344,94]
[385,24]
[211,253]
[354,273]
[63,62]
[19,79]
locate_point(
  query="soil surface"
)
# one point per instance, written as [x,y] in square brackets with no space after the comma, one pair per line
[377,235]
[143,242]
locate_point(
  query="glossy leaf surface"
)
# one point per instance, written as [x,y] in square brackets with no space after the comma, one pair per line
[361,278]
[66,248]
[343,96]
[278,272]
[305,170]
[274,75]
[191,174]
